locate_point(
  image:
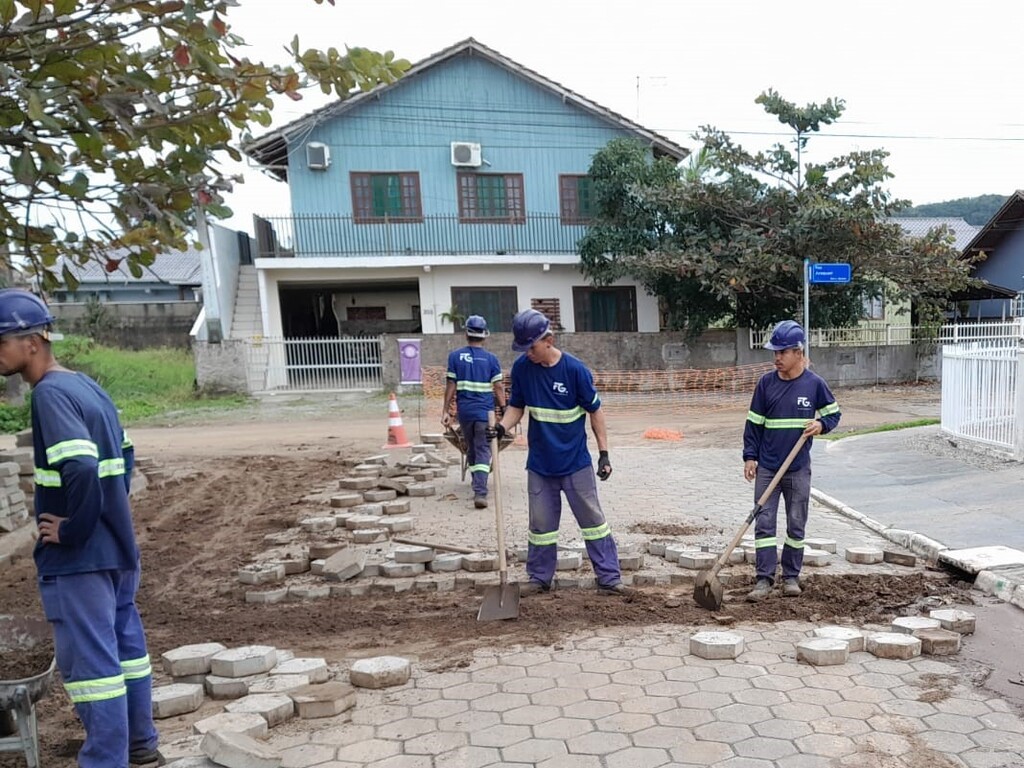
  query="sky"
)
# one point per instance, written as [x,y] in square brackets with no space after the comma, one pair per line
[934,83]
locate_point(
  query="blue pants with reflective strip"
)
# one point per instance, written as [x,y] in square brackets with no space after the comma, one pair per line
[580,489]
[478,453]
[795,488]
[96,626]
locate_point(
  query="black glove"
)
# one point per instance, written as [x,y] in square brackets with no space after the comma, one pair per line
[604,466]
[497,432]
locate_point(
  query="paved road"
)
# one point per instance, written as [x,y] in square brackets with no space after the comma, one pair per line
[905,480]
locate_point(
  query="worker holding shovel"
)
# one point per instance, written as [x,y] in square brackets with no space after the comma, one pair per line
[788,402]
[559,391]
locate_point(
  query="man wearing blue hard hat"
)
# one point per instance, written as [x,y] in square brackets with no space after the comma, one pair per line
[86,555]
[475,383]
[559,391]
[787,402]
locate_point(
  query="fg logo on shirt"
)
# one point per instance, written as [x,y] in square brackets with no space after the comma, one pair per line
[803,402]
[466,357]
[559,388]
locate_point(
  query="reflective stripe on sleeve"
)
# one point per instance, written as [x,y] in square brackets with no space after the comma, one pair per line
[829,409]
[755,418]
[71,448]
[480,468]
[766,542]
[474,386]
[785,423]
[48,478]
[111,467]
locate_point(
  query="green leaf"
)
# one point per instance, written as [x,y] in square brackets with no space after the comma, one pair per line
[135,269]
[23,167]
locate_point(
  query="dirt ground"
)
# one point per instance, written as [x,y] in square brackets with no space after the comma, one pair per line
[240,475]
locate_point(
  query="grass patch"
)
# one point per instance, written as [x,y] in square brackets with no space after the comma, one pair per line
[880,428]
[142,383]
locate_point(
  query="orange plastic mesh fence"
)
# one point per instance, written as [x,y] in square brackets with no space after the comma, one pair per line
[689,388]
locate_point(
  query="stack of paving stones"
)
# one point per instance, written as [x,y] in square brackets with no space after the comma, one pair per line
[262,688]
[17,483]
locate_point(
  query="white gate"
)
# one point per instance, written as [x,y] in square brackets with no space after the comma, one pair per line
[314,365]
[983,388]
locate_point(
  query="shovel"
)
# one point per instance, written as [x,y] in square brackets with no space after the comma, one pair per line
[502,601]
[707,589]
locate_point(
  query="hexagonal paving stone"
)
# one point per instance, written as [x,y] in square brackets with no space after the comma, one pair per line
[597,743]
[702,753]
[803,713]
[534,750]
[876,680]
[500,702]
[887,743]
[407,728]
[439,709]
[690,674]
[829,682]
[343,735]
[306,755]
[648,705]
[497,674]
[528,685]
[779,728]
[470,691]
[825,745]
[583,680]
[616,692]
[764,748]
[368,751]
[663,737]
[723,685]
[702,700]
[624,722]
[670,688]
[468,721]
[558,697]
[443,680]
[500,736]
[908,708]
[684,718]
[570,761]
[379,715]
[637,757]
[398,761]
[840,726]
[1001,740]
[727,733]
[467,757]
[592,710]
[954,723]
[946,742]
[819,696]
[778,683]
[563,728]
[435,743]
[958,706]
[743,713]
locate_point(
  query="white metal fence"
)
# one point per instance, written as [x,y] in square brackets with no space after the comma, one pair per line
[983,389]
[893,335]
[309,365]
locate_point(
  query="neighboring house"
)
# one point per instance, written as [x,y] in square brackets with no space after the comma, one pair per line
[1001,242]
[173,276]
[460,189]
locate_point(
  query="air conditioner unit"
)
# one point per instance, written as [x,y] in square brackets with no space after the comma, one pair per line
[318,156]
[466,154]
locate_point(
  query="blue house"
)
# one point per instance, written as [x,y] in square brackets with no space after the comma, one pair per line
[1001,244]
[460,189]
[173,277]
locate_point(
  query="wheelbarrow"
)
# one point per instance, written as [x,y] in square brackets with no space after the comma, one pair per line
[453,434]
[18,729]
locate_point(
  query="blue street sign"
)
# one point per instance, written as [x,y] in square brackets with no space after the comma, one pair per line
[830,273]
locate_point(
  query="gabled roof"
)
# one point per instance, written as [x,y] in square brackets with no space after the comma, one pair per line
[1008,219]
[271,150]
[919,226]
[172,268]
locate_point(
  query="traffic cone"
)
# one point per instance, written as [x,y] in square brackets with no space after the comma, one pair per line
[396,431]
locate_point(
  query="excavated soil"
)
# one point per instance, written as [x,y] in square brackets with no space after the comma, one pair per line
[25,663]
[197,529]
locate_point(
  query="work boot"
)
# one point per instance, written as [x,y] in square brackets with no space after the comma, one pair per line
[761,590]
[146,757]
[480,502]
[533,588]
[614,589]
[791,587]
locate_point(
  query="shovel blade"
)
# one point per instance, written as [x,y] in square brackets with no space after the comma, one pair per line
[500,603]
[708,591]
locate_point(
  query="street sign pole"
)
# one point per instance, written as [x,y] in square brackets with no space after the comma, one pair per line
[807,307]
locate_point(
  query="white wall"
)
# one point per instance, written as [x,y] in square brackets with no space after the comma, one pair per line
[436,277]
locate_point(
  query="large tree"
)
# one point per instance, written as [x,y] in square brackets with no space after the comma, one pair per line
[114,113]
[724,240]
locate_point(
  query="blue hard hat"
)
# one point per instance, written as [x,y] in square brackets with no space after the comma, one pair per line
[528,327]
[786,335]
[22,311]
[476,327]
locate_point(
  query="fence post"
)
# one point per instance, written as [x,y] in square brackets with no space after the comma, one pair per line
[1018,414]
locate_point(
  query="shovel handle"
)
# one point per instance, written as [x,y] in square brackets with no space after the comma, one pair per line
[760,503]
[499,515]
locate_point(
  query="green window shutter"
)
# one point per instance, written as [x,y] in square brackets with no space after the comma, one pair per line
[584,197]
[387,195]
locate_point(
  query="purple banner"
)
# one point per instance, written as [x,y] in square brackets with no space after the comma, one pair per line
[409,361]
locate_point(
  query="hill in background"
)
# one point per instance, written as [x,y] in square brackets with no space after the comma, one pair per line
[974,210]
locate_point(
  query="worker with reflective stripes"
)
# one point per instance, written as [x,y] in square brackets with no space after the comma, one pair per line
[86,555]
[559,391]
[475,383]
[787,402]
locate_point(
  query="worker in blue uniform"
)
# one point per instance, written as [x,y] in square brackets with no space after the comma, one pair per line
[559,391]
[86,556]
[475,383]
[787,402]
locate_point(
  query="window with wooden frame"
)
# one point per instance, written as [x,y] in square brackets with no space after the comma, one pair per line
[489,198]
[390,196]
[497,306]
[605,309]
[575,198]
[873,308]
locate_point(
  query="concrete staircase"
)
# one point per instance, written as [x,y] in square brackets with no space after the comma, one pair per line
[247,320]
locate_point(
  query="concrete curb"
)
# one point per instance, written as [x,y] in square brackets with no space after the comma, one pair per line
[1005,583]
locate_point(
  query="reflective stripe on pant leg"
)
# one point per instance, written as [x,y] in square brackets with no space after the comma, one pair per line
[478,454]
[767,555]
[796,490]
[581,493]
[545,500]
[81,609]
[135,665]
